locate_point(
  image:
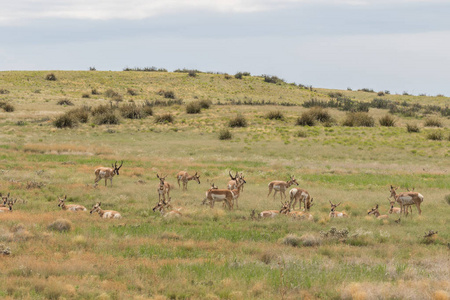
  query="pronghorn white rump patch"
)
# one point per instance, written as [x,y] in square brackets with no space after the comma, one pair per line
[293,192]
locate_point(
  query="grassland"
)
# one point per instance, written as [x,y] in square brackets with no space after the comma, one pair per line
[216,254]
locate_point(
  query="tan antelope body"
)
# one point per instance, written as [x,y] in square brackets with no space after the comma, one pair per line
[274,213]
[185,178]
[396,210]
[218,195]
[8,208]
[163,188]
[107,173]
[163,208]
[336,214]
[376,213]
[281,186]
[105,214]
[407,199]
[300,195]
[70,207]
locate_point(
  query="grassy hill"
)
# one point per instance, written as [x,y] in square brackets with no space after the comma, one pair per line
[215,253]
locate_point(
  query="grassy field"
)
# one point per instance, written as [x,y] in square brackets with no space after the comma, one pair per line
[216,253]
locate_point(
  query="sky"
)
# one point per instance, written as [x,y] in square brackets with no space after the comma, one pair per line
[395,45]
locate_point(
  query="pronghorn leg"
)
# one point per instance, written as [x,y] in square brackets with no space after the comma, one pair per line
[106,180]
[418,208]
[110,181]
[274,193]
[270,191]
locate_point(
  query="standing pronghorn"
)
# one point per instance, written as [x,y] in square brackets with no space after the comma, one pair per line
[70,207]
[236,193]
[376,213]
[184,178]
[107,173]
[300,195]
[163,187]
[217,195]
[237,179]
[407,198]
[105,214]
[336,214]
[281,186]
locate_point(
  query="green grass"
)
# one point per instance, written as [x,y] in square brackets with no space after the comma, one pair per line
[214,253]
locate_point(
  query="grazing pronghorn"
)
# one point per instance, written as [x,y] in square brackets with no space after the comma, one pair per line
[163,187]
[107,173]
[376,213]
[407,198]
[106,214]
[281,186]
[4,199]
[184,178]
[217,195]
[300,195]
[70,207]
[336,214]
[274,213]
[237,179]
[163,208]
[9,208]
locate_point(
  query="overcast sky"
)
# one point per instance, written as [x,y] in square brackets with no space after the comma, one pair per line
[395,45]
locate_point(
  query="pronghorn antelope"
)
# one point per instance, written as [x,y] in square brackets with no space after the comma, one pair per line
[163,187]
[407,198]
[184,178]
[281,186]
[236,193]
[217,195]
[70,207]
[105,214]
[296,214]
[300,195]
[9,208]
[274,213]
[163,208]
[376,213]
[237,179]
[336,214]
[396,210]
[4,199]
[107,173]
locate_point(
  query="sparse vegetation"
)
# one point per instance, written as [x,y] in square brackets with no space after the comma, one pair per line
[358,119]
[7,107]
[412,128]
[60,225]
[387,121]
[275,115]
[238,121]
[65,102]
[193,108]
[435,135]
[164,118]
[225,134]
[64,121]
[433,122]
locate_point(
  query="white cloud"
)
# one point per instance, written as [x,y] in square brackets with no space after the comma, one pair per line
[28,10]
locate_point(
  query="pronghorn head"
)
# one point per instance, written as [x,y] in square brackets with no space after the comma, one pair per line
[231,176]
[162,205]
[241,178]
[391,202]
[116,169]
[10,204]
[285,208]
[4,198]
[197,177]
[410,190]
[333,206]
[96,207]
[373,211]
[61,201]
[309,203]
[392,190]
[293,180]
[161,179]
[213,187]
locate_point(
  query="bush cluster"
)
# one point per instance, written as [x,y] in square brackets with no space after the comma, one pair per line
[433,122]
[272,79]
[225,134]
[51,77]
[275,115]
[164,118]
[412,128]
[358,119]
[314,115]
[146,69]
[238,121]
[387,121]
[8,107]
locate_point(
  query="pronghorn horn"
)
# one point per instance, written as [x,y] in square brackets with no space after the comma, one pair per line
[338,204]
[120,165]
[231,176]
[330,202]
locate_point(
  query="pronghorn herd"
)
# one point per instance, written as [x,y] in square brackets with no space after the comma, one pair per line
[229,197]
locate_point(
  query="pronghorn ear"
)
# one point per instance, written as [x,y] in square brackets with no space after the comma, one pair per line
[330,202]
[99,203]
[65,197]
[376,206]
[338,204]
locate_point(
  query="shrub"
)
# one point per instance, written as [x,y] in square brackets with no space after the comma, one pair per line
[447,199]
[50,77]
[110,93]
[367,90]
[107,118]
[8,107]
[238,121]
[359,119]
[335,94]
[380,103]
[387,121]
[132,111]
[227,76]
[380,94]
[306,119]
[309,118]
[310,240]
[275,115]
[147,109]
[4,91]
[435,135]
[193,108]
[168,94]
[192,73]
[65,102]
[272,79]
[205,103]
[164,118]
[85,95]
[64,121]
[95,92]
[433,122]
[102,109]
[79,114]
[225,134]
[60,225]
[412,128]
[301,134]
[292,240]
[238,75]
[131,92]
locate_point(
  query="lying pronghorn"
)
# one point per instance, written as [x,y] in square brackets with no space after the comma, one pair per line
[70,207]
[300,195]
[376,213]
[336,214]
[9,208]
[163,187]
[406,199]
[107,173]
[217,195]
[163,208]
[106,214]
[296,214]
[237,179]
[4,200]
[185,178]
[274,213]
[281,186]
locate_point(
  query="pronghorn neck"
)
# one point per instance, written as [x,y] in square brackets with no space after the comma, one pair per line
[100,211]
